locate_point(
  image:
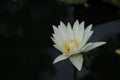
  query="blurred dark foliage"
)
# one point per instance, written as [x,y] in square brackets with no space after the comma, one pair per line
[25,29]
[98,13]
[28,22]
[25,64]
[113,2]
[106,63]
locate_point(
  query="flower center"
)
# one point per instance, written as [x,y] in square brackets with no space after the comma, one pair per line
[70,44]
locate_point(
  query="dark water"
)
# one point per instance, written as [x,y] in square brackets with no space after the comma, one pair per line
[25,30]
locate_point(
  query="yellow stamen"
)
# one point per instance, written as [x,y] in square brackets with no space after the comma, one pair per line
[86,5]
[76,43]
[117,51]
[70,44]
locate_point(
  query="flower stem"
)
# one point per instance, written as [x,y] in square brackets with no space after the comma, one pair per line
[75,74]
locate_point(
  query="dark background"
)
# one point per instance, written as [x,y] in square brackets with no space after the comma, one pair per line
[26,27]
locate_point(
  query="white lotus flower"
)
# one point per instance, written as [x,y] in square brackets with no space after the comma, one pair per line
[73,41]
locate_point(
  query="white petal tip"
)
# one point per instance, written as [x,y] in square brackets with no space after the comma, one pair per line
[61,22]
[77,21]
[77,61]
[102,43]
[79,69]
[54,62]
[60,58]
[53,26]
[90,26]
[83,22]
